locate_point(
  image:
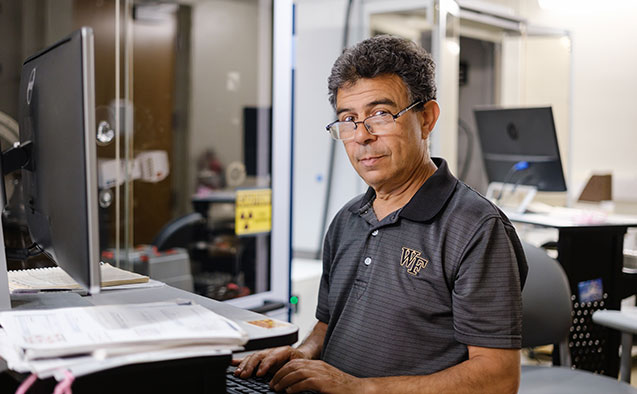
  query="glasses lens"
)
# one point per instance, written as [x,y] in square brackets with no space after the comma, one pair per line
[380,124]
[342,130]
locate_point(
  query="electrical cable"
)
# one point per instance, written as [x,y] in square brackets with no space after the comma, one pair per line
[520,181]
[24,253]
[519,166]
[330,169]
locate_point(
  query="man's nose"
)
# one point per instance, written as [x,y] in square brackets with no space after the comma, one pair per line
[362,135]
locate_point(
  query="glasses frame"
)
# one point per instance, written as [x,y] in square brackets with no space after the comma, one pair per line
[356,123]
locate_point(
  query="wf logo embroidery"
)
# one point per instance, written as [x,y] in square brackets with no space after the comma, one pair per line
[411,260]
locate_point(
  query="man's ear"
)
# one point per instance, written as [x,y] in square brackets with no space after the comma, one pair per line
[430,114]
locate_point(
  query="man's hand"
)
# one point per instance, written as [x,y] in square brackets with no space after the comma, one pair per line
[300,375]
[270,360]
[266,361]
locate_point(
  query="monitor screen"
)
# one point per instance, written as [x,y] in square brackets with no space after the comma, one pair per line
[509,136]
[57,115]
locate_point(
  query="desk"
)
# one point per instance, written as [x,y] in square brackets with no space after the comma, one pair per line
[205,375]
[586,252]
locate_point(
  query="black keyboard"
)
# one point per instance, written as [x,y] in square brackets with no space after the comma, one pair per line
[253,385]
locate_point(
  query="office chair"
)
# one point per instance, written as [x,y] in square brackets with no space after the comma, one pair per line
[627,325]
[178,233]
[546,319]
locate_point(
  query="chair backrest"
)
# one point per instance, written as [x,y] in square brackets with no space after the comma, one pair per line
[546,300]
[179,232]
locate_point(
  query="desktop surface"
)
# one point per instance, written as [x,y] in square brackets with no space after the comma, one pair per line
[573,218]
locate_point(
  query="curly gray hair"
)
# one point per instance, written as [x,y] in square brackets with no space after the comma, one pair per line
[385,54]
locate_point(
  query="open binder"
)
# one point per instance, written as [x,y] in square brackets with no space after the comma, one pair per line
[83,340]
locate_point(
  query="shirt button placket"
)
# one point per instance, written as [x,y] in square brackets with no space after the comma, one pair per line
[368,260]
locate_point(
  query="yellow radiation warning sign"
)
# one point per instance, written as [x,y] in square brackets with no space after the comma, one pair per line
[253,211]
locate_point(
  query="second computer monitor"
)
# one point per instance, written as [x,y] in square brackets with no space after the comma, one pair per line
[57,116]
[512,135]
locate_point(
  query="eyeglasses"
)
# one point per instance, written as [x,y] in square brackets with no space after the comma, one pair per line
[378,124]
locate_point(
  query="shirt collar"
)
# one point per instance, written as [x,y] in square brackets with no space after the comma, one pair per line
[427,201]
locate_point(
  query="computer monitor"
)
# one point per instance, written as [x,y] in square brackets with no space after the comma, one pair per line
[57,121]
[519,146]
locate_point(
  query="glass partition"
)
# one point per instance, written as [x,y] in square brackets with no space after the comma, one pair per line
[198,98]
[184,113]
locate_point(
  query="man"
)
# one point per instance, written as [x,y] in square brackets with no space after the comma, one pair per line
[421,280]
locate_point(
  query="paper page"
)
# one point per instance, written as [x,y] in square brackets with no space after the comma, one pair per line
[112,276]
[146,285]
[84,365]
[54,278]
[12,354]
[85,368]
[67,331]
[41,278]
[99,361]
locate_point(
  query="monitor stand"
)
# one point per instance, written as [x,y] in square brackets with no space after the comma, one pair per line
[511,197]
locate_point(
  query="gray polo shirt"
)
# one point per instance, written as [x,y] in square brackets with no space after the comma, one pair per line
[406,295]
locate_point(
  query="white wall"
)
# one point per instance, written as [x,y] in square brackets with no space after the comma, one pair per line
[604,136]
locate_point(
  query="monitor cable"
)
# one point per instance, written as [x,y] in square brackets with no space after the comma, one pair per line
[23,254]
[517,167]
[520,181]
